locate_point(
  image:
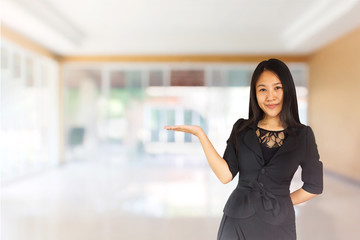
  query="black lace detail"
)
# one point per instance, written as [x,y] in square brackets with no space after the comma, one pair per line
[271,139]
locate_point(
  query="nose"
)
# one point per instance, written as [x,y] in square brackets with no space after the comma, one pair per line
[271,95]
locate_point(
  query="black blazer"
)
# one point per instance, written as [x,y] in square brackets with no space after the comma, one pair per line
[264,190]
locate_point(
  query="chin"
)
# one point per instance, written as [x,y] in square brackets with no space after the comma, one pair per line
[271,114]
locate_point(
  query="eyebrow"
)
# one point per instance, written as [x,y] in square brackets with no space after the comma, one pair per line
[263,85]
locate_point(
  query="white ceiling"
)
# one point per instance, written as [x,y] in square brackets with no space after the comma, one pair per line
[146,27]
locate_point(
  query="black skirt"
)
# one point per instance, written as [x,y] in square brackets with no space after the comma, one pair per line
[253,228]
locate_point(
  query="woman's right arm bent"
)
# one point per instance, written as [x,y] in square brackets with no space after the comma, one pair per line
[216,162]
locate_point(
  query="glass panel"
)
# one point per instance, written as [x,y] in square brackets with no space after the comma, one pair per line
[218,78]
[29,122]
[171,122]
[188,121]
[238,78]
[187,78]
[155,121]
[82,95]
[203,124]
[133,79]
[115,113]
[126,95]
[155,78]
[117,79]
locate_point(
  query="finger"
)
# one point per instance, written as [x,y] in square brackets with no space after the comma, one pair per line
[176,128]
[171,127]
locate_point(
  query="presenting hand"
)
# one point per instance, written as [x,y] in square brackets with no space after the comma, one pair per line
[216,162]
[192,129]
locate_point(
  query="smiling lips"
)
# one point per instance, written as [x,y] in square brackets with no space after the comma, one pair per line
[271,106]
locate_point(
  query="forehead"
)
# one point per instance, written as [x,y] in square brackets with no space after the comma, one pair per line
[268,78]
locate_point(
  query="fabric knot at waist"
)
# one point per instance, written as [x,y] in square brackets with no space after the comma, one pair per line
[269,198]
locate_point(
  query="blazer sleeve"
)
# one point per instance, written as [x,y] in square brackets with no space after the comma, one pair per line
[312,167]
[230,152]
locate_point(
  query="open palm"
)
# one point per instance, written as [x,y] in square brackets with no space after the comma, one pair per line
[192,129]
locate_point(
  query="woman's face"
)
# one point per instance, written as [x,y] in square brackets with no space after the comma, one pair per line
[269,94]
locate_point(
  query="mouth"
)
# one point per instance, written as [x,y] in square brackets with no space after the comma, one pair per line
[272,106]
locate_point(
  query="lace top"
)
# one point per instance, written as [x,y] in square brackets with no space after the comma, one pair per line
[270,142]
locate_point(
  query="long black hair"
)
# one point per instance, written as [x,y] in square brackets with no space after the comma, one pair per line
[289,114]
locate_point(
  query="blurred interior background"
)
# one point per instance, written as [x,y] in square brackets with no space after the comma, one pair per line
[87,86]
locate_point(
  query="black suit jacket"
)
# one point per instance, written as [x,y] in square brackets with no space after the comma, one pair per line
[264,190]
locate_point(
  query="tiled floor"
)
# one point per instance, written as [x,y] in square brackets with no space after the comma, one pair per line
[155,197]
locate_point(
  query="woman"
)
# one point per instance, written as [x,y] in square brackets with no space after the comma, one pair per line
[266,150]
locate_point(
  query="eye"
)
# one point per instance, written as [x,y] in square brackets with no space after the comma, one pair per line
[263,89]
[278,88]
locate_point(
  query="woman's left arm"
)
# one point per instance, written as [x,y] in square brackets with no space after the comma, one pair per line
[300,196]
[312,172]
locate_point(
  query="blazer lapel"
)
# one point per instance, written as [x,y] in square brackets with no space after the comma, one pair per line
[289,144]
[252,142]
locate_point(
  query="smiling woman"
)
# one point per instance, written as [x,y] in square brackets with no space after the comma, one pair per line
[266,150]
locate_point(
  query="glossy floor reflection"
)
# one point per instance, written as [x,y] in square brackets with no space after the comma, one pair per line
[152,197]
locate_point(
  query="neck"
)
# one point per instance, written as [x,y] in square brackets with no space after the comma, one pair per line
[271,123]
